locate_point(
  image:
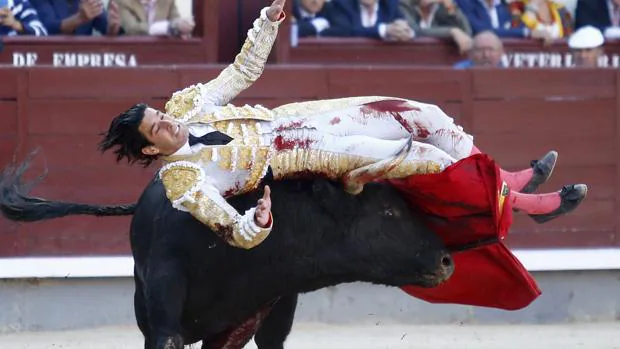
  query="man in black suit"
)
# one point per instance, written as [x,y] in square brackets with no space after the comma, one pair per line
[602,14]
[378,19]
[312,17]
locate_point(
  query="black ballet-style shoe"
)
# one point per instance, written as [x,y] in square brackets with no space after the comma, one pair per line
[543,168]
[571,196]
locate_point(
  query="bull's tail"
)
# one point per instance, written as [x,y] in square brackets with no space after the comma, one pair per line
[16,205]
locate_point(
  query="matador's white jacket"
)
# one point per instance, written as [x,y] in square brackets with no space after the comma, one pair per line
[328,138]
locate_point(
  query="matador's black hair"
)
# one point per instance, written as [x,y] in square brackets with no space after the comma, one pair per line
[124,135]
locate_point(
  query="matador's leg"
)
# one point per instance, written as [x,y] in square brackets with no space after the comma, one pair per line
[389,118]
[307,150]
[310,108]
[422,157]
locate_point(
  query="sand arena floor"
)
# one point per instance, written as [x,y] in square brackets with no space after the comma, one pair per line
[304,335]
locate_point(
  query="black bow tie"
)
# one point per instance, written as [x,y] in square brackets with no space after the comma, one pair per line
[211,138]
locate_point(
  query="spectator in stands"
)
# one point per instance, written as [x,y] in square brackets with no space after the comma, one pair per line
[154,17]
[546,19]
[379,19]
[438,18]
[79,17]
[487,51]
[586,45]
[312,17]
[492,15]
[602,14]
[20,18]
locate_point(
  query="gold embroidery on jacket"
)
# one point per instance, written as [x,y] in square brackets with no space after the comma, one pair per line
[178,181]
[236,77]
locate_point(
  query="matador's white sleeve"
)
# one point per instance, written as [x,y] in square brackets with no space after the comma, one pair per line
[190,190]
[247,67]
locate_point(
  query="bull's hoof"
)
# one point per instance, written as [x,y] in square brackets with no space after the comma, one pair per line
[571,196]
[543,168]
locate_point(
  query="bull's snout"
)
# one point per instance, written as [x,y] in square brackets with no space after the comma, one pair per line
[446,268]
[442,268]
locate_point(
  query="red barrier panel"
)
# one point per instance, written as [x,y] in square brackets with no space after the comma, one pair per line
[519,53]
[514,115]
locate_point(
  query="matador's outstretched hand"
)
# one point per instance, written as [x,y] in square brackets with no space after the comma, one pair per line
[263,209]
[275,11]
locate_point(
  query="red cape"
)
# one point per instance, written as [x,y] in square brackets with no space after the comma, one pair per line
[466,204]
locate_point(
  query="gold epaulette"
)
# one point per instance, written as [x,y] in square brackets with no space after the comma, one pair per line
[182,180]
[185,104]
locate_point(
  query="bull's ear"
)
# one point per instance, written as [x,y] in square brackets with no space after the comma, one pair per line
[333,198]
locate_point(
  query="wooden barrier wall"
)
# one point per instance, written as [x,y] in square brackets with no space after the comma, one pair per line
[518,53]
[515,116]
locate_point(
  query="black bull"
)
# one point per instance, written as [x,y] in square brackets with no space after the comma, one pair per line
[192,286]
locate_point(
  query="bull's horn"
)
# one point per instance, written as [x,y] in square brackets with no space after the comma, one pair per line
[354,181]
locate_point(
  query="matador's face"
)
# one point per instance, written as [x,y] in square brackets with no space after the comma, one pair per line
[166,134]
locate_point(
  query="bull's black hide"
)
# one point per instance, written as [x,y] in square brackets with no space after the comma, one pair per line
[191,286]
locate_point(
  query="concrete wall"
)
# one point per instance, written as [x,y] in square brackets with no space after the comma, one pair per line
[56,304]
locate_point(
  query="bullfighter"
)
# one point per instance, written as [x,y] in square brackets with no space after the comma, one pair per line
[212,150]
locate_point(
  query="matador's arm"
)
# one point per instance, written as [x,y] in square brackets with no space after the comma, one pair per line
[238,76]
[190,190]
[248,65]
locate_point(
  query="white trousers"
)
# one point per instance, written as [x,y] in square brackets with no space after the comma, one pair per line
[378,129]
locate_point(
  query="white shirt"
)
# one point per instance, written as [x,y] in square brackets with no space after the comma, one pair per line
[319,23]
[426,22]
[216,178]
[613,31]
[370,18]
[613,13]
[197,130]
[492,11]
[306,14]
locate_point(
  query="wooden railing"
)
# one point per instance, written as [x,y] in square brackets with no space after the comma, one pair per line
[519,53]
